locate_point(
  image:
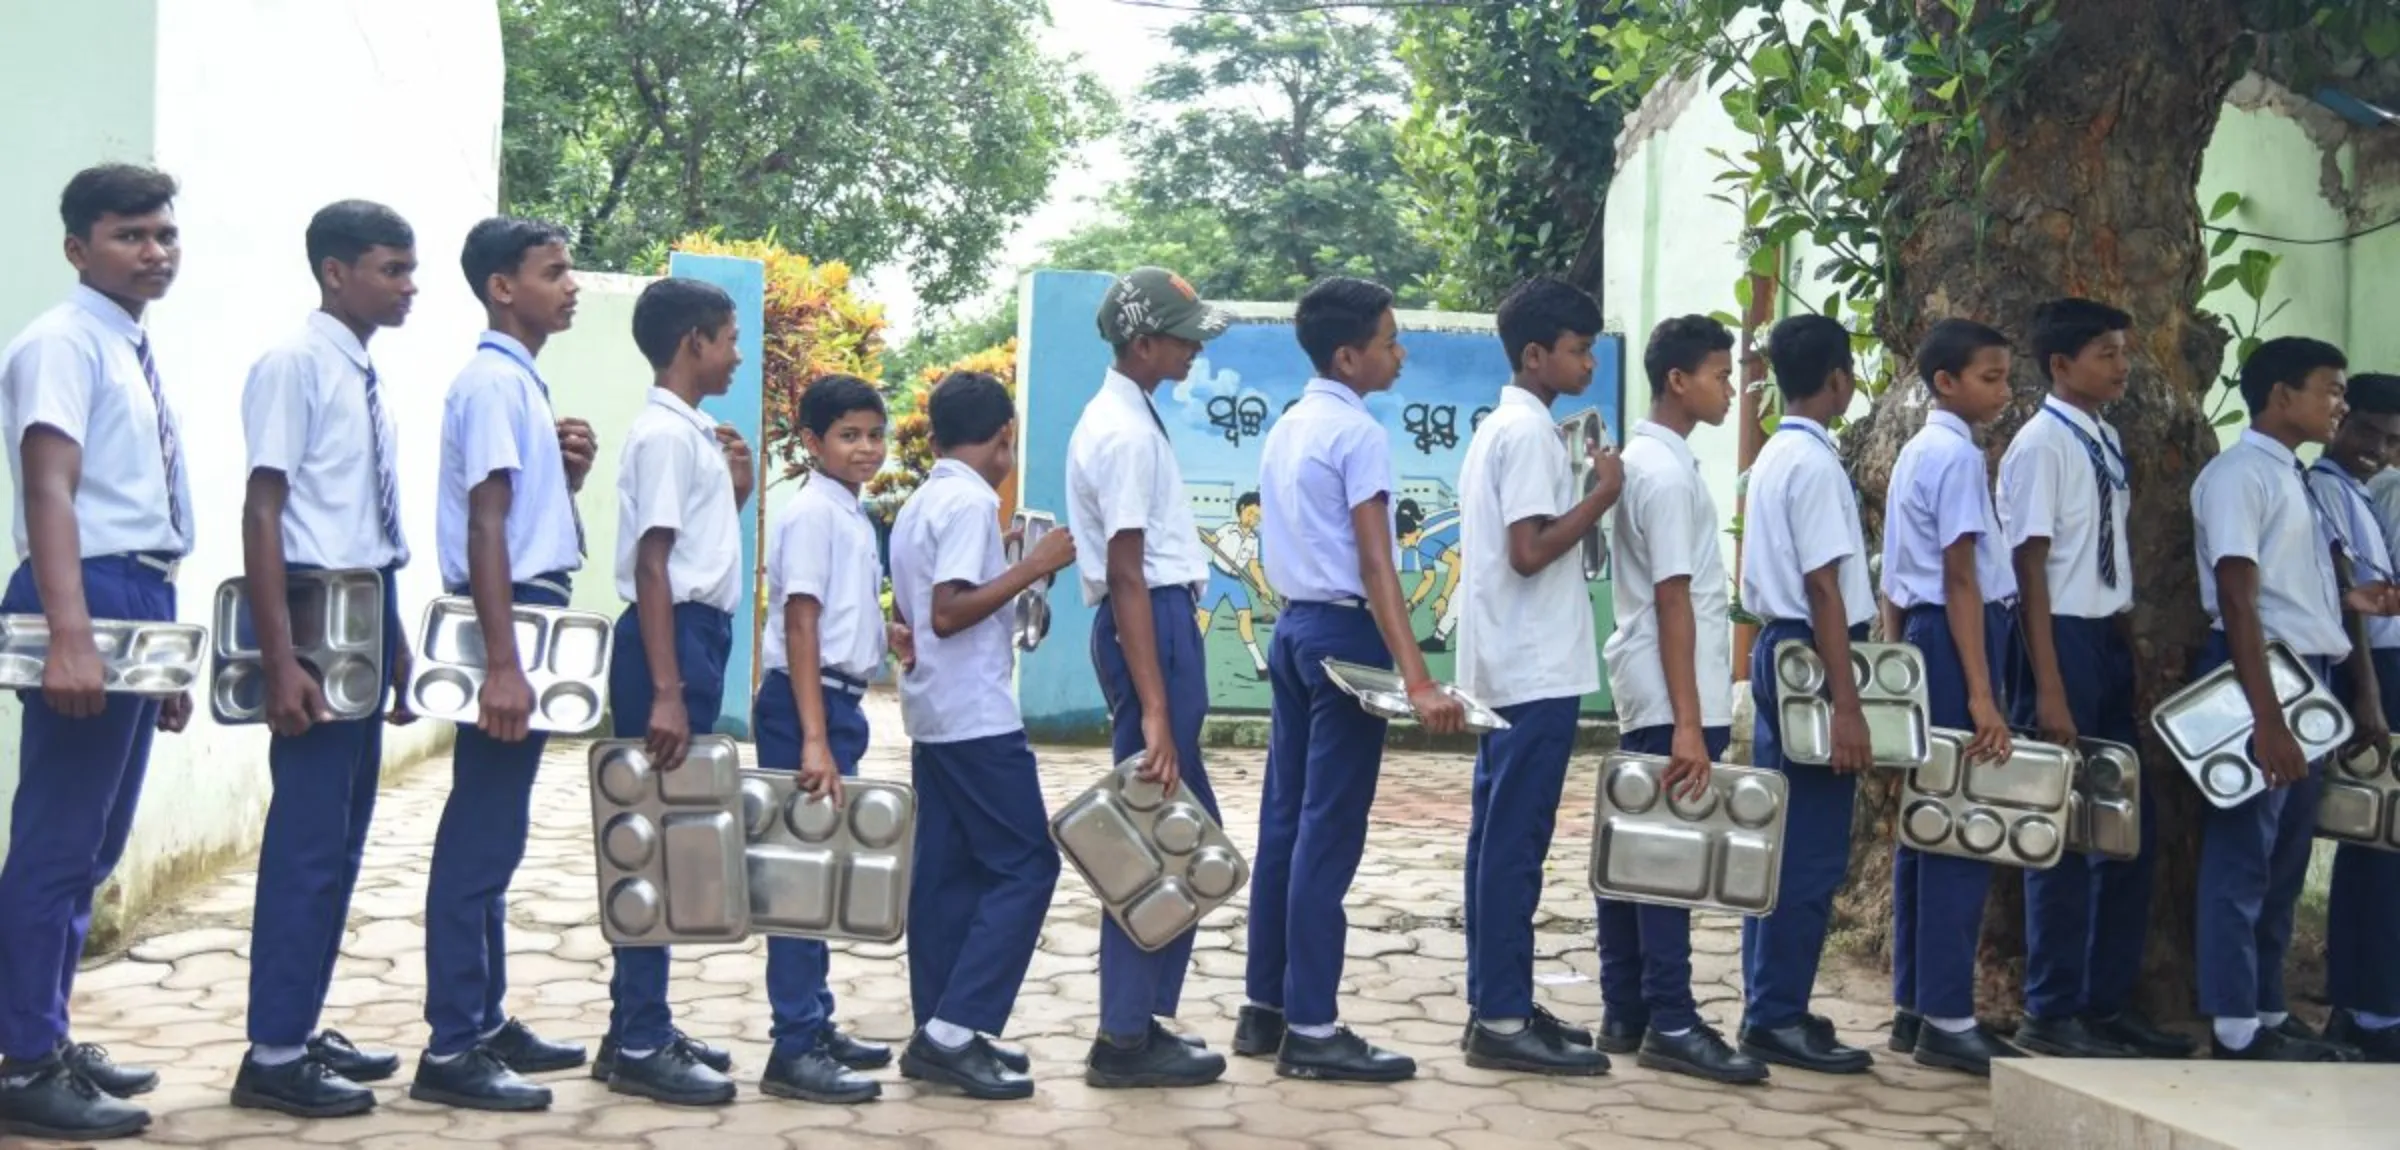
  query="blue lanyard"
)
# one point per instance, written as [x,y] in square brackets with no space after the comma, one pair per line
[2117,477]
[1810,429]
[520,361]
[2348,531]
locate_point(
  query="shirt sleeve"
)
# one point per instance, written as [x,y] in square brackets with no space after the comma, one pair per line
[1530,478]
[1959,498]
[2385,496]
[2232,512]
[659,473]
[2028,493]
[1664,519]
[804,551]
[1366,463]
[962,540]
[279,411]
[1815,500]
[1125,472]
[49,384]
[487,431]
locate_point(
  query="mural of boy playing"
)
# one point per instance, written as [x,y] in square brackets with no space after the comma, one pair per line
[1234,576]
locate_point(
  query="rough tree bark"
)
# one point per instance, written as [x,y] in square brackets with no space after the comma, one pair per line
[2096,198]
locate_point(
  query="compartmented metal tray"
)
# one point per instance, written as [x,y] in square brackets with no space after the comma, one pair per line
[1891,695]
[565,654]
[1583,433]
[1030,613]
[1159,864]
[153,660]
[1720,851]
[2207,725]
[2104,812]
[2360,802]
[337,634]
[667,845]
[1384,694]
[2013,811]
[815,870]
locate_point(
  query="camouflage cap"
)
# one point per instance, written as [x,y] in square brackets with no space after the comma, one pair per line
[1155,301]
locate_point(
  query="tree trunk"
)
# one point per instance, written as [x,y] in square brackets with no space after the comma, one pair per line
[2095,198]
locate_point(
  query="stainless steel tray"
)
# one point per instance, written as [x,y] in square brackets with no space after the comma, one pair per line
[668,844]
[2207,725]
[821,871]
[1583,433]
[153,660]
[565,654]
[1891,695]
[2360,803]
[1382,693]
[1159,864]
[1721,851]
[2104,812]
[2013,812]
[1030,612]
[337,634]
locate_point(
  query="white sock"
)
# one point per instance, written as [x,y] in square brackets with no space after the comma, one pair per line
[2374,1021]
[1314,1030]
[2236,1033]
[276,1055]
[635,1055]
[1276,1010]
[1951,1025]
[494,1032]
[444,1059]
[1502,1025]
[1674,1033]
[2272,1018]
[948,1035]
[1256,658]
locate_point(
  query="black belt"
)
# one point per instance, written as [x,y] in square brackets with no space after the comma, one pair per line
[842,681]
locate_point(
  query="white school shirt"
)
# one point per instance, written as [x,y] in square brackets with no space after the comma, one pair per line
[2251,503]
[963,687]
[2048,490]
[1122,476]
[1938,496]
[1235,551]
[1324,458]
[674,475]
[824,548]
[1520,639]
[2351,518]
[77,369]
[305,415]
[1666,527]
[496,418]
[1802,514]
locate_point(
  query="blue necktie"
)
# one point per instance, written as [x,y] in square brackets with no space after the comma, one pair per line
[169,456]
[387,477]
[2110,482]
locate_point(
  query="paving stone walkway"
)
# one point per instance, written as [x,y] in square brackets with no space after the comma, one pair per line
[175,1000]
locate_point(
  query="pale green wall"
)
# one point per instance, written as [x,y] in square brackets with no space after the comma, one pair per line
[596,374]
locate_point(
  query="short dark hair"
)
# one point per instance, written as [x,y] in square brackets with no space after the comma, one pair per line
[1950,345]
[1246,499]
[672,308]
[967,407]
[1338,312]
[1542,310]
[347,230]
[2067,326]
[1805,351]
[497,246]
[1682,344]
[1408,516]
[113,189]
[2286,362]
[833,396]
[2375,393]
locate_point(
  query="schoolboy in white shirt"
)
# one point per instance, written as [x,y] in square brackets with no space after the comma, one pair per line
[2362,910]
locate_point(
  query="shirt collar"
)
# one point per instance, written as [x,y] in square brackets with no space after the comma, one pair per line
[2341,473]
[111,315]
[1950,421]
[661,397]
[2279,453]
[2080,418]
[955,469]
[507,343]
[1514,396]
[337,333]
[831,491]
[1675,443]
[1339,391]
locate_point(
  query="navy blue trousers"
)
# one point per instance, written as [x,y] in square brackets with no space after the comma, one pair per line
[2085,918]
[985,871]
[2253,862]
[1937,900]
[324,801]
[475,855]
[796,988]
[1781,951]
[1645,949]
[640,1019]
[77,785]
[2362,911]
[1519,773]
[1324,753]
[1138,985]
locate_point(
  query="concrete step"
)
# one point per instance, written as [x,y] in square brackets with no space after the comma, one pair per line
[2079,1104]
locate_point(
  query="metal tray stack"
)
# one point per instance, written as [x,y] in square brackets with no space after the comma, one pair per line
[2207,725]
[2013,811]
[337,634]
[153,660]
[815,870]
[1159,864]
[1031,611]
[668,844]
[565,654]
[1384,694]
[1891,695]
[1583,433]
[2360,803]
[2104,812]
[1720,851]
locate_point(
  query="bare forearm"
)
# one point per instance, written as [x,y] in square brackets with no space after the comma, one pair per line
[491,585]
[808,679]
[1831,621]
[1678,642]
[654,616]
[959,606]
[266,580]
[1137,633]
[2041,639]
[1962,605]
[1535,544]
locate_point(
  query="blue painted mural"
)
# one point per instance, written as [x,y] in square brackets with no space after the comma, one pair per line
[744,407]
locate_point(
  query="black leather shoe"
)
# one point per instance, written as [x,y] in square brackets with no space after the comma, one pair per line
[818,1077]
[1533,1049]
[2372,1045]
[303,1088]
[1621,1035]
[1971,1052]
[520,1049]
[2067,1038]
[476,1080]
[2140,1035]
[1572,1034]
[1160,1059]
[2292,1027]
[857,1054]
[1905,1026]
[972,1069]
[708,1056]
[1258,1032]
[1804,1046]
[50,1099]
[1344,1057]
[93,1062]
[333,1049]
[2277,1046]
[1702,1053]
[672,1074]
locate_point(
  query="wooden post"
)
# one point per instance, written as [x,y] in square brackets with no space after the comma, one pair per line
[1755,319]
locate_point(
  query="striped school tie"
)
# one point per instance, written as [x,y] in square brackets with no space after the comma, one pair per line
[168,453]
[387,476]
